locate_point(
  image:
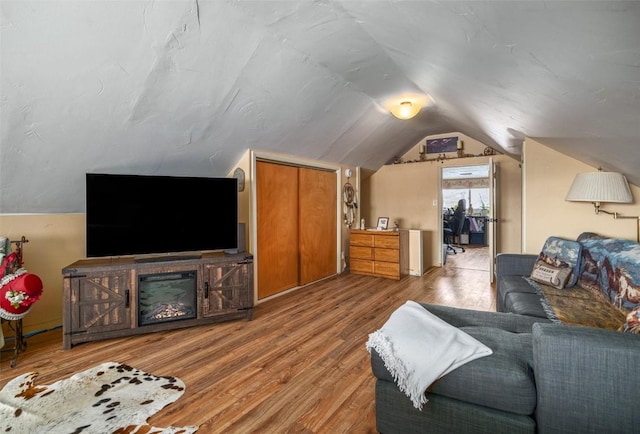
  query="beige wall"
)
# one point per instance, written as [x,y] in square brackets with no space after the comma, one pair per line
[410,193]
[55,241]
[547,177]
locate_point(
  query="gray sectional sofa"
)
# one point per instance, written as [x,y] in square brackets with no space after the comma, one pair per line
[543,376]
[602,290]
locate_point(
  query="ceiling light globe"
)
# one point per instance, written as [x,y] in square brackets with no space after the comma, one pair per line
[405,110]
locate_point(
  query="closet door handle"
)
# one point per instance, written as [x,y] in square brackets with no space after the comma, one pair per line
[206,289]
[127,300]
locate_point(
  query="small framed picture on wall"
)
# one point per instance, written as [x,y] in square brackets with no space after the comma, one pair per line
[442,145]
[383,223]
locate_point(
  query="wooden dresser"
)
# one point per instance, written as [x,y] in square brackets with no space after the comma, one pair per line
[378,253]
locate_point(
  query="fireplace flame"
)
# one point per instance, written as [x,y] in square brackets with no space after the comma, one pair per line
[169,311]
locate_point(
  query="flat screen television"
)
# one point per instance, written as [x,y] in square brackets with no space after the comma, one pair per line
[142,214]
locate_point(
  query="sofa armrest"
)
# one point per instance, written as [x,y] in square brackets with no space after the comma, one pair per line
[509,322]
[514,264]
[585,379]
[475,318]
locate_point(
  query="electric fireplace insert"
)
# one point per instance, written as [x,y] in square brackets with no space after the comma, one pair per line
[167,297]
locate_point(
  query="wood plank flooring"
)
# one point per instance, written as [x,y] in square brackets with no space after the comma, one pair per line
[473,258]
[299,367]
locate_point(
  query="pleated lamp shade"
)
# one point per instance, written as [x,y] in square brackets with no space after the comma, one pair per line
[600,187]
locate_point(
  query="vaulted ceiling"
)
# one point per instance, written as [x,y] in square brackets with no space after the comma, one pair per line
[185,87]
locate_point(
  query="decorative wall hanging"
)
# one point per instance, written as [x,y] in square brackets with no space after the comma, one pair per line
[239,175]
[350,202]
[452,184]
[489,151]
[444,144]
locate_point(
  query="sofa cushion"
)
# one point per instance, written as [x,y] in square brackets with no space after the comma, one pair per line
[418,347]
[579,306]
[509,284]
[525,304]
[558,277]
[503,381]
[512,284]
[395,414]
[611,266]
[585,379]
[561,253]
[589,236]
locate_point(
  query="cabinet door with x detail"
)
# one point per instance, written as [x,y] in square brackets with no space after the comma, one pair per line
[227,287]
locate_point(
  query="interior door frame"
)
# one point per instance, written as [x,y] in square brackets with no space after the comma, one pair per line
[491,229]
[490,232]
[276,158]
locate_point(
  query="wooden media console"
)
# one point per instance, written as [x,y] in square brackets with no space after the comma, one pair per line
[102,296]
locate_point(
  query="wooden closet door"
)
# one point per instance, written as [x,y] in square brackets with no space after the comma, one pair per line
[277,224]
[317,200]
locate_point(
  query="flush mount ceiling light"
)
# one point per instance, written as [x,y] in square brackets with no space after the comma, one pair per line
[405,109]
[407,105]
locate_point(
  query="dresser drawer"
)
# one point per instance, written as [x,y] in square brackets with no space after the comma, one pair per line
[361,240]
[361,266]
[387,241]
[359,252]
[387,269]
[386,255]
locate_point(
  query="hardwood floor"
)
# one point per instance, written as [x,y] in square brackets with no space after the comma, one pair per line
[300,366]
[473,258]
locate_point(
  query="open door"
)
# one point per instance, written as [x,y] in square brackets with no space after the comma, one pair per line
[476,184]
[492,221]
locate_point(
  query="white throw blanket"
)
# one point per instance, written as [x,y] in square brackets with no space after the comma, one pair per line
[417,348]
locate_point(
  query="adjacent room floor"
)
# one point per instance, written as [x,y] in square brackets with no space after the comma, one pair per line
[473,258]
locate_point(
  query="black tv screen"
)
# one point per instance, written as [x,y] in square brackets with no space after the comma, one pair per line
[141,214]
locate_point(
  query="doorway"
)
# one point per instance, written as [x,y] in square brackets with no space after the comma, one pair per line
[467,202]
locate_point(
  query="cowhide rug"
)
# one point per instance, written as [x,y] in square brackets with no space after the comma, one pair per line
[109,398]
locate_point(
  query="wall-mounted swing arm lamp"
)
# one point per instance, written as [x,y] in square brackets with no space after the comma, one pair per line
[602,187]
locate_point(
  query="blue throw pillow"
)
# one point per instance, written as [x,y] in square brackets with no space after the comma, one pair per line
[562,253]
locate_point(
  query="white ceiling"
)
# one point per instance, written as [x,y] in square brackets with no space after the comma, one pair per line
[185,87]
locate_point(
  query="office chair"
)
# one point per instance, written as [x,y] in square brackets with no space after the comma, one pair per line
[456,225]
[448,236]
